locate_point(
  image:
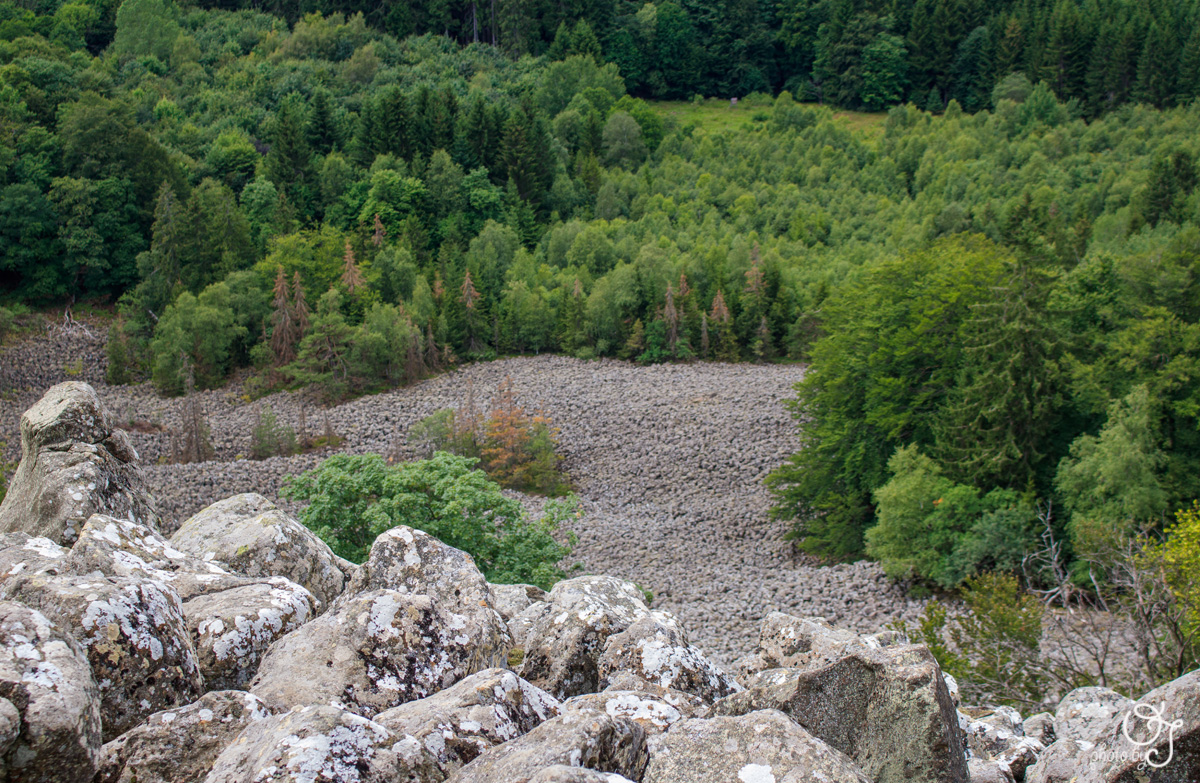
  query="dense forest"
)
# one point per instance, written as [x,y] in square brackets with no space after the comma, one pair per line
[996,283]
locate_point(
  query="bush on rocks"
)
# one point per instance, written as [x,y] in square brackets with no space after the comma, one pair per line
[355,498]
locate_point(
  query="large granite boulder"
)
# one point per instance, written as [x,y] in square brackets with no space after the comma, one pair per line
[511,600]
[413,562]
[49,701]
[561,773]
[73,464]
[108,546]
[759,747]
[887,707]
[785,641]
[656,649]
[322,744]
[249,535]
[1084,713]
[486,709]
[999,738]
[21,553]
[371,652]
[179,744]
[567,634]
[580,738]
[232,629]
[1157,740]
[135,636]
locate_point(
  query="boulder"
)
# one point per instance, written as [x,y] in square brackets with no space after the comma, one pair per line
[656,649]
[1000,738]
[73,464]
[232,629]
[1062,762]
[135,636]
[371,652]
[1084,713]
[759,747]
[21,553]
[322,744]
[179,744]
[1040,727]
[785,641]
[983,771]
[655,714]
[511,600]
[249,535]
[108,546]
[561,773]
[484,710]
[566,636]
[49,701]
[888,708]
[413,562]
[580,738]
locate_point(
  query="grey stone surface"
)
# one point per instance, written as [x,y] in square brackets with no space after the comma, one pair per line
[656,649]
[73,464]
[249,535]
[133,630]
[511,600]
[371,652]
[758,747]
[179,744]
[325,744]
[480,712]
[566,635]
[888,708]
[49,701]
[1085,712]
[583,738]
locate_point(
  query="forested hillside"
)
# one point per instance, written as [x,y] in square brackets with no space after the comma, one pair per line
[1001,307]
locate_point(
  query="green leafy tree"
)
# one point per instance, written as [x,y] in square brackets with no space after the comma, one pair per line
[353,498]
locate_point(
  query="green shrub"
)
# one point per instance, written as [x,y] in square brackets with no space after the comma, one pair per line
[269,438]
[353,498]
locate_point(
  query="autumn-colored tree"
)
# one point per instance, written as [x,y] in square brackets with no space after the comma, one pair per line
[380,232]
[727,349]
[300,309]
[518,448]
[284,334]
[352,276]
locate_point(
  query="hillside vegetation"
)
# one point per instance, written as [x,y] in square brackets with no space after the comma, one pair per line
[996,285]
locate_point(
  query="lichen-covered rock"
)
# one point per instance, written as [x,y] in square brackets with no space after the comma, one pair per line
[580,738]
[179,744]
[1084,713]
[983,771]
[566,635]
[484,710]
[561,773]
[414,562]
[511,600]
[21,553]
[785,641]
[117,547]
[886,707]
[321,744]
[73,464]
[1040,727]
[653,713]
[1156,740]
[249,535]
[135,635]
[1000,738]
[232,629]
[656,649]
[757,747]
[371,652]
[49,701]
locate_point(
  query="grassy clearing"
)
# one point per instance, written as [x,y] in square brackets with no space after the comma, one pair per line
[717,116]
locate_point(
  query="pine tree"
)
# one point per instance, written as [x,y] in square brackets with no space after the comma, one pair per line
[764,349]
[1156,68]
[323,134]
[635,345]
[470,300]
[704,346]
[289,162]
[671,319]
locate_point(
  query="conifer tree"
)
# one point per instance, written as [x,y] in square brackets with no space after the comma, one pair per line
[299,306]
[352,277]
[284,335]
[671,319]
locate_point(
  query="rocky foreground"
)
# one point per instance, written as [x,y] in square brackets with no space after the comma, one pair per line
[668,461]
[240,649]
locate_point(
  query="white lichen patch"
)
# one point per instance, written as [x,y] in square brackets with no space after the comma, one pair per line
[756,773]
